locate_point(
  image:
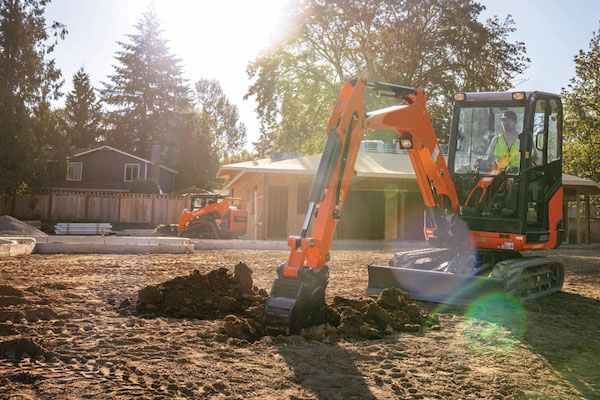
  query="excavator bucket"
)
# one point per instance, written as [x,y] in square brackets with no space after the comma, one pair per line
[461,277]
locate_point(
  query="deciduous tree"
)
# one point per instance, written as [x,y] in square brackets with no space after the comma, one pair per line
[582,115]
[220,118]
[438,45]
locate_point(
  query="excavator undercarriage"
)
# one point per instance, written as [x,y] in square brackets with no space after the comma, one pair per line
[446,275]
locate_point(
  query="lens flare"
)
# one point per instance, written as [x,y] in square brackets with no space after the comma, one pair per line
[495,321]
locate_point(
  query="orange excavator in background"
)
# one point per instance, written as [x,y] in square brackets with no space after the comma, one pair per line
[478,217]
[213,216]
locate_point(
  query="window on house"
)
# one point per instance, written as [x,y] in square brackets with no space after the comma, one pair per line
[74,171]
[302,198]
[132,172]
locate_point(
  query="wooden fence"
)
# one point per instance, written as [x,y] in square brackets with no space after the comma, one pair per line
[74,206]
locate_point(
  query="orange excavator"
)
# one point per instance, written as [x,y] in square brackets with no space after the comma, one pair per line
[478,217]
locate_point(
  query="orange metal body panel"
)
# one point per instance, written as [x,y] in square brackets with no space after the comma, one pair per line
[221,208]
[517,242]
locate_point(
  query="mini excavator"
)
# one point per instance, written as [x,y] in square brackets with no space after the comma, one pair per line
[479,216]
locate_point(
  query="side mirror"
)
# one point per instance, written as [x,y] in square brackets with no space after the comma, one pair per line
[539,141]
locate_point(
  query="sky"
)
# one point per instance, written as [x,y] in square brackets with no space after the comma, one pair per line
[217,39]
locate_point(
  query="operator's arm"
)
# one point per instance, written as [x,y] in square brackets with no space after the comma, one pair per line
[489,156]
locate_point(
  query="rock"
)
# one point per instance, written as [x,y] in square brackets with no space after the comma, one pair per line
[379,315]
[7,330]
[228,304]
[413,311]
[369,332]
[42,313]
[411,328]
[393,298]
[21,347]
[6,301]
[243,274]
[47,314]
[125,303]
[321,333]
[150,294]
[6,290]
[237,327]
[151,307]
[14,316]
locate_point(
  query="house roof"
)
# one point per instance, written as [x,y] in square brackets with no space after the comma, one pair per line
[587,186]
[105,147]
[368,165]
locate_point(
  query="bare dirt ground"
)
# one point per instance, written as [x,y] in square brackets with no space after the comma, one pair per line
[65,332]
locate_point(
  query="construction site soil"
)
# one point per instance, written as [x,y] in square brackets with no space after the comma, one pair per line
[188,326]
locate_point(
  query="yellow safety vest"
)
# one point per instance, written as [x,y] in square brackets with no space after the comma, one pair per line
[505,156]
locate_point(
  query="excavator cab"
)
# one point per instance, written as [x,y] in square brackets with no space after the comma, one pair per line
[512,199]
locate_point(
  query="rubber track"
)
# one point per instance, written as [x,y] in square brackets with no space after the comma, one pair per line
[517,273]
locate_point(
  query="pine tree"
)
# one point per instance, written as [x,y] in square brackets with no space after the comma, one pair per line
[146,91]
[83,113]
[28,80]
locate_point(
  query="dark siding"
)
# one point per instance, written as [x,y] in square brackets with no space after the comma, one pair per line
[413,216]
[106,166]
[363,216]
[166,180]
[105,170]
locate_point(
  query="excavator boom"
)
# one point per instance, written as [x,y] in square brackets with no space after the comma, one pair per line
[298,292]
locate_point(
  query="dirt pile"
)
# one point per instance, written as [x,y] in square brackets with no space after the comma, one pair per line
[205,296]
[23,348]
[10,226]
[371,318]
[233,299]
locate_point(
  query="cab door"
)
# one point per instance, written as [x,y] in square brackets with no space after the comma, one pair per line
[544,172]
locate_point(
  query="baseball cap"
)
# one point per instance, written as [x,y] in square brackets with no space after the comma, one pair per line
[509,115]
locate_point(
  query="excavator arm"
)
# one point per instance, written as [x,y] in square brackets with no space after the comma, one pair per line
[298,292]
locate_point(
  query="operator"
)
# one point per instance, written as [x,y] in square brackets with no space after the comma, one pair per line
[504,147]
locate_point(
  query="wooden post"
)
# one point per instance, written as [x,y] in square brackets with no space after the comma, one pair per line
[566,222]
[50,201]
[587,219]
[577,218]
[86,200]
[152,210]
[119,208]
[263,211]
[402,215]
[391,215]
